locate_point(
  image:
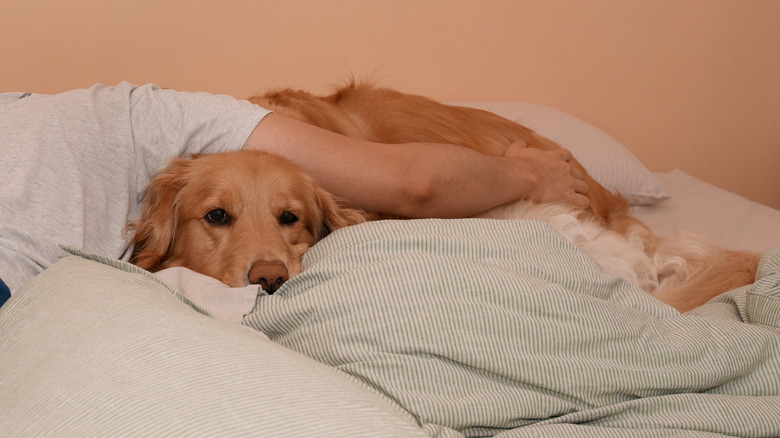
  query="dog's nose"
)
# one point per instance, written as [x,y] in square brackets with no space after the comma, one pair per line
[269,275]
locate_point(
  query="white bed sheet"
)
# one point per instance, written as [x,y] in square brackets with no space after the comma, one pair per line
[722,216]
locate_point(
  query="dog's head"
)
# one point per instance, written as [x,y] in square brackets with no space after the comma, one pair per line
[242,217]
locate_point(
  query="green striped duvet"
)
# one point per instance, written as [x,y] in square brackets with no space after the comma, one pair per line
[481,327]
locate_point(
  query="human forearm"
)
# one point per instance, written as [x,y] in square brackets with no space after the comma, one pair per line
[411,179]
[462,182]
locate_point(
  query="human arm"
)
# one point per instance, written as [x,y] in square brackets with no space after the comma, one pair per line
[419,179]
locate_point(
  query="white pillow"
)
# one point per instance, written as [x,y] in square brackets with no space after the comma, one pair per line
[607,161]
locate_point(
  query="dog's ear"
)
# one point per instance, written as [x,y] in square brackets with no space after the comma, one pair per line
[335,214]
[152,234]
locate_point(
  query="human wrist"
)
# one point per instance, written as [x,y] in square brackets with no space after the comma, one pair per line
[520,177]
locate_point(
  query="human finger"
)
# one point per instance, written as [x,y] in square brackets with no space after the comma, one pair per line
[514,149]
[580,201]
[565,154]
[577,173]
[581,187]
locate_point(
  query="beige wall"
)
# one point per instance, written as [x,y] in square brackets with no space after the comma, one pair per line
[693,84]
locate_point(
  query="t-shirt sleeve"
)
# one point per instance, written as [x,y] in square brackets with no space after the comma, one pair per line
[166,124]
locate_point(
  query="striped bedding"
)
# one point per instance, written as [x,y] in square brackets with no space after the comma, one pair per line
[503,328]
[398,328]
[104,349]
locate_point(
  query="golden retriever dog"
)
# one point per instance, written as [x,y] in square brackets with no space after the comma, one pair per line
[681,270]
[224,217]
[241,217]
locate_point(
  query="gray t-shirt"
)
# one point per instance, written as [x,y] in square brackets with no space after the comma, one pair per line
[73,166]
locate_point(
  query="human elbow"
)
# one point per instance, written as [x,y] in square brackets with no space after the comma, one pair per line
[420,196]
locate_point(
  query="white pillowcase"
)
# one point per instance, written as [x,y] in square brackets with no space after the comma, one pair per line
[607,161]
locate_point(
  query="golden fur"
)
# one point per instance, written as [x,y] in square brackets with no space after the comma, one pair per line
[255,189]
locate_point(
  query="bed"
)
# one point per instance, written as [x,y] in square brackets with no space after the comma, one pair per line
[429,328]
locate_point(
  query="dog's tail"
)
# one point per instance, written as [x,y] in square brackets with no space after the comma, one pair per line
[691,270]
[708,274]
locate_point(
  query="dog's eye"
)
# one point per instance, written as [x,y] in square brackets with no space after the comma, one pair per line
[287,218]
[218,216]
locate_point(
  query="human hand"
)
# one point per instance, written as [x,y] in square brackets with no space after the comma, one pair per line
[557,179]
